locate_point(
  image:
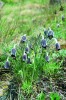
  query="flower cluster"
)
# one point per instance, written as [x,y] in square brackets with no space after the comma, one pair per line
[38,44]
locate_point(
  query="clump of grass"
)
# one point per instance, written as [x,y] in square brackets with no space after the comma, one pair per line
[54,96]
[41,96]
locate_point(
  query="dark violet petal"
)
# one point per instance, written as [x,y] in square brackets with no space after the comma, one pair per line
[57,46]
[24,57]
[50,34]
[43,43]
[13,52]
[27,49]
[23,38]
[7,65]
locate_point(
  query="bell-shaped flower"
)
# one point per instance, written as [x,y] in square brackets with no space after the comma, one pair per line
[13,52]
[43,42]
[7,64]
[27,49]
[23,39]
[50,33]
[57,45]
[24,57]
[47,57]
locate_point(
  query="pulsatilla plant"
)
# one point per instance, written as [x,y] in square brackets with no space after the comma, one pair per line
[32,54]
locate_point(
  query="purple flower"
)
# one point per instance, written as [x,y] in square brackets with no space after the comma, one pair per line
[57,46]
[27,49]
[23,39]
[47,57]
[7,65]
[24,57]
[13,52]
[50,34]
[43,42]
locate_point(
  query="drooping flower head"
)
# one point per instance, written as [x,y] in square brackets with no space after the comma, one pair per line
[43,42]
[23,39]
[47,57]
[57,45]
[7,64]
[27,49]
[13,51]
[50,33]
[24,57]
